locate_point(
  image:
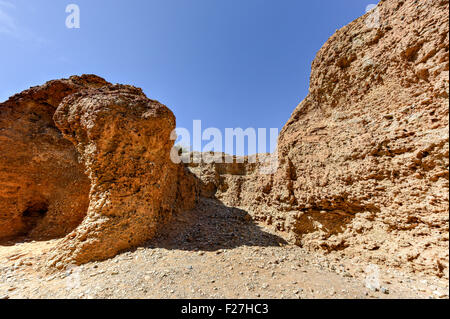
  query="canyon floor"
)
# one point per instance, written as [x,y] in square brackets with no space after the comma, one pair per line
[212,252]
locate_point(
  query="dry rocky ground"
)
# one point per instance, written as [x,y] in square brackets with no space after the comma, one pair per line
[220,253]
[356,207]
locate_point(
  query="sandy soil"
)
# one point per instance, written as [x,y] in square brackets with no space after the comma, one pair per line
[212,252]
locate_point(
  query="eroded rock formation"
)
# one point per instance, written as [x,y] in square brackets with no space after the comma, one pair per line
[364,157]
[101,176]
[43,188]
[123,139]
[362,162]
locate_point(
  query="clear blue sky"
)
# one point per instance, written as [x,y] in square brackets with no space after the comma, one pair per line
[229,63]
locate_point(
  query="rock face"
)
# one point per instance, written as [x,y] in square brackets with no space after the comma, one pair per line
[363,160]
[123,139]
[43,188]
[96,169]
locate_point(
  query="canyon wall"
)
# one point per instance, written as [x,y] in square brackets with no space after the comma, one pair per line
[89,161]
[43,188]
[361,168]
[363,160]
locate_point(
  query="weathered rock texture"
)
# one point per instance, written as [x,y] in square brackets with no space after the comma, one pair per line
[364,157]
[101,175]
[43,188]
[363,160]
[123,139]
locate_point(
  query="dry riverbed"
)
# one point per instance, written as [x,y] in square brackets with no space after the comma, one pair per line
[213,252]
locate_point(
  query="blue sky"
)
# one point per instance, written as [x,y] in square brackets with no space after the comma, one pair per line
[229,63]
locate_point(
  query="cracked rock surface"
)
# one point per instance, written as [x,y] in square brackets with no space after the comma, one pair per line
[123,139]
[43,188]
[364,159]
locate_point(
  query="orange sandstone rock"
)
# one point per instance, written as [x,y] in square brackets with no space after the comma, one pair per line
[123,139]
[43,188]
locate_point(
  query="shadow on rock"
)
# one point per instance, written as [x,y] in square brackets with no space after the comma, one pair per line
[212,226]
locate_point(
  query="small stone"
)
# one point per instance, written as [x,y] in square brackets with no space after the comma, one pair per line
[347,275]
[385,290]
[439,294]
